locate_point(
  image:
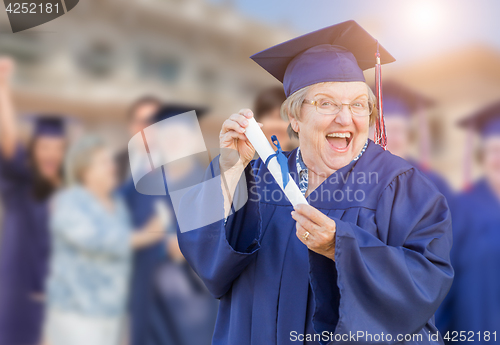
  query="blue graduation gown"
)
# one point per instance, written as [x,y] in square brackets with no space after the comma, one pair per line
[437,179]
[166,307]
[391,268]
[193,310]
[24,252]
[146,322]
[473,304]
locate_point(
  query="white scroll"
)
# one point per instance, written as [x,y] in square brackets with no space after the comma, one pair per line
[264,149]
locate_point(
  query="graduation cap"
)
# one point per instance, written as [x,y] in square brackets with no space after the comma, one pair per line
[400,100]
[169,110]
[55,125]
[338,53]
[486,123]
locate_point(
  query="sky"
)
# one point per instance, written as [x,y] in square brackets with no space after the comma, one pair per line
[409,29]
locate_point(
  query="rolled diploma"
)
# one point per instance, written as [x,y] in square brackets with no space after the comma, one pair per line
[264,149]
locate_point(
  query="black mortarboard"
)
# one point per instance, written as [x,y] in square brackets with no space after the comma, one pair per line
[337,53]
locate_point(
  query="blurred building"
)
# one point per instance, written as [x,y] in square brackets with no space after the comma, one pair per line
[92,62]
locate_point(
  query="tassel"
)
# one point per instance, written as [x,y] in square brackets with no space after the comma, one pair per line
[282,160]
[380,132]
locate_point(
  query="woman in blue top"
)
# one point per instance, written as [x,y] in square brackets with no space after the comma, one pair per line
[92,243]
[28,176]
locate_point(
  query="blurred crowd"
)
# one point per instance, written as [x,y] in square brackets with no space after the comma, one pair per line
[87,259]
[84,257]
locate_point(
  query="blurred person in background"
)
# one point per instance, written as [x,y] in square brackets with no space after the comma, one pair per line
[267,111]
[150,322]
[29,174]
[139,115]
[183,295]
[92,241]
[169,305]
[401,107]
[472,307]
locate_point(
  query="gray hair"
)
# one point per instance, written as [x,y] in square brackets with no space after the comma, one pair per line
[79,157]
[293,105]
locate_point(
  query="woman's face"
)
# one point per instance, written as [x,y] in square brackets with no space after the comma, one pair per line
[101,173]
[48,155]
[398,135]
[491,159]
[330,142]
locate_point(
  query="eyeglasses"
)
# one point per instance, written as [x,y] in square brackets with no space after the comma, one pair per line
[326,106]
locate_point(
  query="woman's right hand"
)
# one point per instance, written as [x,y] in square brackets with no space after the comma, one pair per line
[152,233]
[235,146]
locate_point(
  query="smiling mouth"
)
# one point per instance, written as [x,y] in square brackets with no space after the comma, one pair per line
[339,141]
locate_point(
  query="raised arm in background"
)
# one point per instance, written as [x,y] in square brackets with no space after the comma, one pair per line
[8,125]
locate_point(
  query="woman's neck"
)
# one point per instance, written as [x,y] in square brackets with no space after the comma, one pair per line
[318,174]
[102,195]
[55,181]
[315,180]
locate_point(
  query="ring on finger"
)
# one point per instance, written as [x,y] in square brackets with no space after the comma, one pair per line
[306,235]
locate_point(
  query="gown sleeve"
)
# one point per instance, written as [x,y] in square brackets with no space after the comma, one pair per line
[73,224]
[460,210]
[220,251]
[394,281]
[14,171]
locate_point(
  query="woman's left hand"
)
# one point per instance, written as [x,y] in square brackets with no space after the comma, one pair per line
[315,230]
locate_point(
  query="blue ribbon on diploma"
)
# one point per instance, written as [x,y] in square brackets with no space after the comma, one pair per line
[282,160]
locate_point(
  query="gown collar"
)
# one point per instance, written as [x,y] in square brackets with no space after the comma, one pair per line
[303,171]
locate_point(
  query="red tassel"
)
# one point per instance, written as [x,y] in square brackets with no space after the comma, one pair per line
[380,132]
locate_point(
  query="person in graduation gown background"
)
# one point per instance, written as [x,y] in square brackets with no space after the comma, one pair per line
[140,114]
[164,290]
[401,106]
[146,324]
[472,307]
[193,310]
[363,256]
[29,174]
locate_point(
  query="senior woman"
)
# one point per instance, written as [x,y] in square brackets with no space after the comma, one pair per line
[367,260]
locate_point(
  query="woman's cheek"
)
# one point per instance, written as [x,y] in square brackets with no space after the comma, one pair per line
[362,125]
